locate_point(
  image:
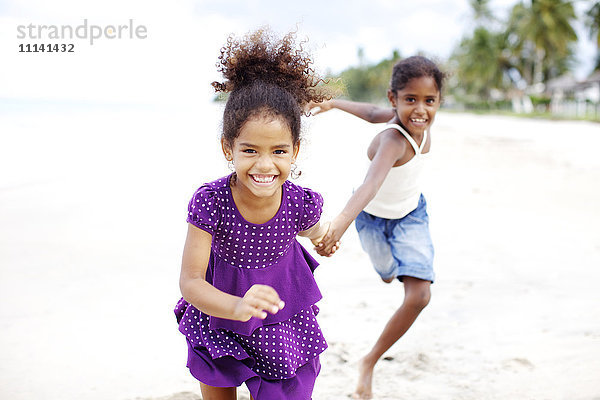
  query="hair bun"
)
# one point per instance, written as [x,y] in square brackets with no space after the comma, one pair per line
[259,56]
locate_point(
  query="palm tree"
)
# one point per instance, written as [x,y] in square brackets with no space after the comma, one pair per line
[542,36]
[592,21]
[481,10]
[481,63]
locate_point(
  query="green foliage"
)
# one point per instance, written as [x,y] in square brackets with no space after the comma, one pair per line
[535,44]
[592,21]
[540,103]
[369,83]
[481,64]
[540,100]
[542,38]
[481,10]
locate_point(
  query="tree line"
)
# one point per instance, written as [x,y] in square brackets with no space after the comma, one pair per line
[533,45]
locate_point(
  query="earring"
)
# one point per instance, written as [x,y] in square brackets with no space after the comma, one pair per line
[294,173]
[231,165]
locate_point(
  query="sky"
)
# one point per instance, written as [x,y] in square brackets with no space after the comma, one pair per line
[175,62]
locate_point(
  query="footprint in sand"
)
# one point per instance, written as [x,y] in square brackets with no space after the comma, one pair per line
[414,366]
[339,351]
[422,362]
[517,364]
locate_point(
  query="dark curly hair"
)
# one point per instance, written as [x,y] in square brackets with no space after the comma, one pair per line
[415,67]
[266,77]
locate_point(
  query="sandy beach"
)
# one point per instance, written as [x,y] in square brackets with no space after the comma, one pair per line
[92,215]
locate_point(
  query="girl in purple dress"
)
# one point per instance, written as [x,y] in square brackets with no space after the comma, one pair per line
[248,307]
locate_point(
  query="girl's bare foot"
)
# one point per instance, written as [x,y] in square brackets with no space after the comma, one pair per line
[365,377]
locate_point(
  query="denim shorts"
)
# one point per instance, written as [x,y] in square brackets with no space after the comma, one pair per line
[398,247]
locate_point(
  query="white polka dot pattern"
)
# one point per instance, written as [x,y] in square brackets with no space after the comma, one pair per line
[277,349]
[244,244]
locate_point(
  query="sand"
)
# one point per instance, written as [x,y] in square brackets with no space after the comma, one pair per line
[92,211]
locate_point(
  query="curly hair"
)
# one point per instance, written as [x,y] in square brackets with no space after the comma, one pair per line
[415,67]
[266,76]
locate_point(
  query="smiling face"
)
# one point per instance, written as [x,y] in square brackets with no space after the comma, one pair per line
[416,104]
[262,155]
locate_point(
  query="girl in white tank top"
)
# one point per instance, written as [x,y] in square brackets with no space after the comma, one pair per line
[399,193]
[393,228]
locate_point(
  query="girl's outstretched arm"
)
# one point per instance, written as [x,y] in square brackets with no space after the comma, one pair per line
[257,301]
[391,148]
[368,112]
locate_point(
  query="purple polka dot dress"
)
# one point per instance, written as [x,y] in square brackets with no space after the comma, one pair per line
[278,357]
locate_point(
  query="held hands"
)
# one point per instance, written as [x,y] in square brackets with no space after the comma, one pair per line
[322,107]
[318,240]
[330,243]
[257,301]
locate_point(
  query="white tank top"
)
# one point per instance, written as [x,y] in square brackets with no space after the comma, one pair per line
[400,192]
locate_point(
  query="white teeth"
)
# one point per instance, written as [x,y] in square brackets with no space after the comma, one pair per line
[263,179]
[418,120]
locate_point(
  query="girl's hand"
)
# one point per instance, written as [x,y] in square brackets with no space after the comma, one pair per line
[328,252]
[323,106]
[331,242]
[257,301]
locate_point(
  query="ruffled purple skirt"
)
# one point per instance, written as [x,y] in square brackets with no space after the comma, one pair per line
[276,361]
[230,372]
